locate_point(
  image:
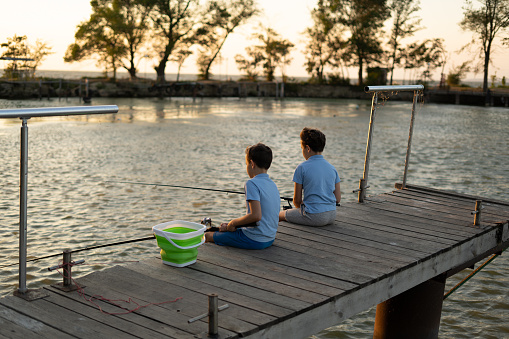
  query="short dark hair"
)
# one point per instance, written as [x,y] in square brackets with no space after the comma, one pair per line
[313,138]
[260,154]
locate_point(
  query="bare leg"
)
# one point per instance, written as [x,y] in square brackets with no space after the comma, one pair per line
[282,216]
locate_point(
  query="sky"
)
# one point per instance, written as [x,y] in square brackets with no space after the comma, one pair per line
[55,21]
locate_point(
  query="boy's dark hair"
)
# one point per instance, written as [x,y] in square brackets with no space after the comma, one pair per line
[260,154]
[313,138]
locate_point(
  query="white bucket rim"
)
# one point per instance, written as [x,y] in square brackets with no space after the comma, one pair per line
[159,229]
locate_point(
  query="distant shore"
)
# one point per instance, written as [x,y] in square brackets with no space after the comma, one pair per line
[143,88]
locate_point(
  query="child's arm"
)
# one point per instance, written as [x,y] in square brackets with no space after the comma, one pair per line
[297,195]
[337,193]
[254,216]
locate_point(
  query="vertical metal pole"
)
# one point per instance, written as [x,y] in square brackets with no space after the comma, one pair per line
[410,133]
[364,181]
[213,315]
[23,203]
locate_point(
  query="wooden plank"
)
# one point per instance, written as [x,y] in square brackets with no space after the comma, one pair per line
[436,209]
[492,211]
[260,283]
[61,319]
[430,215]
[226,283]
[307,262]
[455,194]
[364,253]
[174,326]
[292,276]
[354,237]
[376,291]
[193,302]
[18,326]
[369,268]
[398,212]
[156,269]
[462,211]
[80,306]
[413,234]
[134,284]
[419,226]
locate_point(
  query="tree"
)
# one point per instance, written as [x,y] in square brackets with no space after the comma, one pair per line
[249,65]
[324,42]
[270,54]
[364,19]
[115,31]
[485,23]
[174,22]
[429,55]
[29,56]
[404,24]
[222,17]
[457,74]
[180,55]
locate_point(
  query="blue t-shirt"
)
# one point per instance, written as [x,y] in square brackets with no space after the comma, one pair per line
[318,179]
[261,188]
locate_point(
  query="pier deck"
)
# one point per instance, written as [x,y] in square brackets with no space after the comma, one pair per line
[310,279]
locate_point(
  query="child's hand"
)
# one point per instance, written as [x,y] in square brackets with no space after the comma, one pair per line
[223,227]
[231,227]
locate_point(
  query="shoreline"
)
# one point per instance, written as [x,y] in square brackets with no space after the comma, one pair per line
[90,88]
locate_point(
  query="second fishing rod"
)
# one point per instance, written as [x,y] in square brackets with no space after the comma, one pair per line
[287,199]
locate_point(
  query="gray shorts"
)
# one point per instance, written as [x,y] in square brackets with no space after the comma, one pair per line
[299,216]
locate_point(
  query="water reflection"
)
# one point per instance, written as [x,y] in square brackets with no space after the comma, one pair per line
[72,202]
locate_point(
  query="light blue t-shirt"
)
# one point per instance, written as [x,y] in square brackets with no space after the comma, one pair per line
[261,188]
[318,179]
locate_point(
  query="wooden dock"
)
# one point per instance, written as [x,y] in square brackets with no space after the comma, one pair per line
[310,279]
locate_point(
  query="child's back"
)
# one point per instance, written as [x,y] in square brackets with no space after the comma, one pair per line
[317,184]
[257,228]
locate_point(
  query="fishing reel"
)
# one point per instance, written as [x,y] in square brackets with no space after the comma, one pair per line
[208,223]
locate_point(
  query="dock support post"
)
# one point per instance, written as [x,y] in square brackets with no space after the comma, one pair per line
[67,268]
[213,315]
[412,314]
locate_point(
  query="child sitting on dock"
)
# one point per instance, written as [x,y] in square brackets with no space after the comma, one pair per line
[259,225]
[317,180]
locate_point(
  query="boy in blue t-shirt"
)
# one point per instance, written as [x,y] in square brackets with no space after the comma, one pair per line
[263,205]
[318,180]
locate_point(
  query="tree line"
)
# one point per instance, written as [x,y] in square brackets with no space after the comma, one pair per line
[344,33]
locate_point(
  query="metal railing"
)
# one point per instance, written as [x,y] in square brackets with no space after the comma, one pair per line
[24,114]
[363,183]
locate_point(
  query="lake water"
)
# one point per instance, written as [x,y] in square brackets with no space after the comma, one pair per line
[74,203]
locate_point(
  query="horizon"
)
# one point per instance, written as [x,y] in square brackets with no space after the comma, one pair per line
[439,19]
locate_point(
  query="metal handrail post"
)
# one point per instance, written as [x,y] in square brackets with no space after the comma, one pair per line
[23,203]
[410,133]
[364,181]
[24,114]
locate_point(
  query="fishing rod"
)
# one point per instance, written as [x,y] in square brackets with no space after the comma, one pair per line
[86,249]
[289,200]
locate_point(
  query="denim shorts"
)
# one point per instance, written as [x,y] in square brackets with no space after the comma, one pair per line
[240,240]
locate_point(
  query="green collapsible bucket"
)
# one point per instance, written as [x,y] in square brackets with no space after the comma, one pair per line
[179,241]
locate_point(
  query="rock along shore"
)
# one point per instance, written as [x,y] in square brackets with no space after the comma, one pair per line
[90,88]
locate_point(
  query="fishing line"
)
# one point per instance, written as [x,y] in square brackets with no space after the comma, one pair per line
[86,249]
[187,187]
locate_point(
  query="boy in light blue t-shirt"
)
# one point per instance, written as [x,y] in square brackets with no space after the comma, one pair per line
[259,224]
[317,185]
